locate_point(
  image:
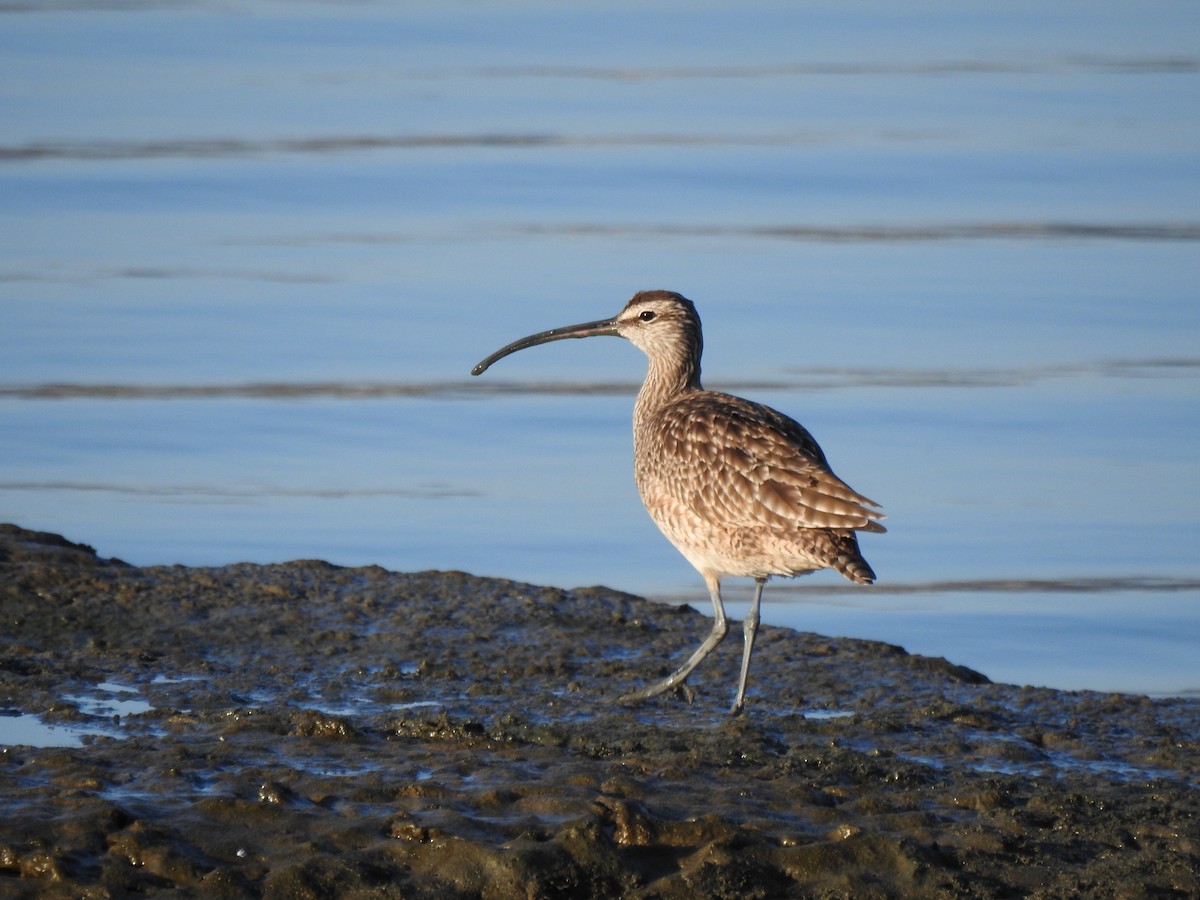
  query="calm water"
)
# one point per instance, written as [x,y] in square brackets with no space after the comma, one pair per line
[251,252]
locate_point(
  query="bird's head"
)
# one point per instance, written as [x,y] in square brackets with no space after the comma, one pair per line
[663,324]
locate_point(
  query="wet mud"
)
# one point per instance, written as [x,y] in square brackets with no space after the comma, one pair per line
[303,730]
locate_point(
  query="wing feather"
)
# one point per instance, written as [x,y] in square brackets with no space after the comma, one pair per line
[744,464]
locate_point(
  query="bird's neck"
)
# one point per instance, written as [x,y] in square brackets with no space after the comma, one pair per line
[667,378]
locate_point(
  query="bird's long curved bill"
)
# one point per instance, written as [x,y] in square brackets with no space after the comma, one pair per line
[587,329]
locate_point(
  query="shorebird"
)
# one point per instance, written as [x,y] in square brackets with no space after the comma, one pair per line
[739,488]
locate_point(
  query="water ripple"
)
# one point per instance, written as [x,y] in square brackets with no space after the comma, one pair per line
[798,379]
[236,493]
[221,147]
[1173,231]
[1083,585]
[788,231]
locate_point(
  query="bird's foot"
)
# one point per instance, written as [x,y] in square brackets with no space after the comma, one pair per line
[682,688]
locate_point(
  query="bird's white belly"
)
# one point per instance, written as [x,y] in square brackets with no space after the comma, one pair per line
[717,549]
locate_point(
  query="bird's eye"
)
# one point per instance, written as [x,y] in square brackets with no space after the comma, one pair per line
[647,315]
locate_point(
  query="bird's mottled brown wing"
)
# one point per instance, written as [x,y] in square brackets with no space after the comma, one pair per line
[743,464]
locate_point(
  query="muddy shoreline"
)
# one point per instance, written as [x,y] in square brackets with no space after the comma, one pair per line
[307,730]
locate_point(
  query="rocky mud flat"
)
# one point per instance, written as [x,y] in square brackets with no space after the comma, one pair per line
[303,730]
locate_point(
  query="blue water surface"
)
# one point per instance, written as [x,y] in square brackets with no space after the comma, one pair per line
[250,253]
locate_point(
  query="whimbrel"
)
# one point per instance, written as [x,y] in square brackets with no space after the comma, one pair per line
[738,488]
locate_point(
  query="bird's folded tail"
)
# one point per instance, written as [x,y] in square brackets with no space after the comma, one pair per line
[848,559]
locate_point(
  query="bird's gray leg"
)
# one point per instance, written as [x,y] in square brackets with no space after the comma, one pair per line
[749,630]
[719,629]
